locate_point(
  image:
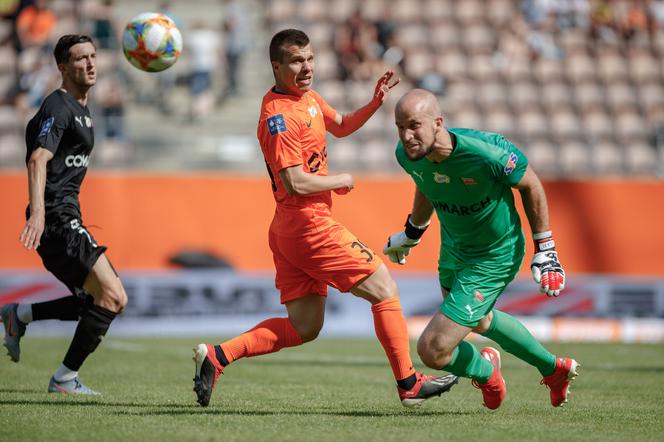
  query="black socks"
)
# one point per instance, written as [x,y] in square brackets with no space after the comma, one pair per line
[407,383]
[221,356]
[69,308]
[93,325]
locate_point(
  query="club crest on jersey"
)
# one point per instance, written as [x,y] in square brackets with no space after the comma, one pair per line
[276,124]
[46,126]
[440,178]
[511,163]
[313,111]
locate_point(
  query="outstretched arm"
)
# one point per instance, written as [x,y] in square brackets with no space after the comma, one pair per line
[34,226]
[344,125]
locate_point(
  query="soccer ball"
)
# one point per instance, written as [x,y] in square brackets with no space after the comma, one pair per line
[151,42]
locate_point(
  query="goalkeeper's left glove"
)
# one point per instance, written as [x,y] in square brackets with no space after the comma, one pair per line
[398,245]
[546,268]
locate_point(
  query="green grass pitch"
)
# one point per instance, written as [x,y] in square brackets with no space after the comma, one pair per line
[328,390]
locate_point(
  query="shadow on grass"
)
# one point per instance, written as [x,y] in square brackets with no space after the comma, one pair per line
[198,411]
[71,401]
[22,390]
[169,409]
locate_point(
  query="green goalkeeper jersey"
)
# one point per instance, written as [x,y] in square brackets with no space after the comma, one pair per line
[472,195]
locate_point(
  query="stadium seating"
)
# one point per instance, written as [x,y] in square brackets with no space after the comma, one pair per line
[579,106]
[594,111]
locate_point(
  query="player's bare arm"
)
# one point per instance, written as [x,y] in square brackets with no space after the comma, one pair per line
[298,182]
[534,201]
[34,226]
[545,266]
[344,125]
[422,209]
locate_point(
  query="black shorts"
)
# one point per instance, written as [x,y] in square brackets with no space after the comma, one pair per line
[69,252]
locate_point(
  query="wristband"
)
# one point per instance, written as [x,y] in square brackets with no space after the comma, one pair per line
[543,241]
[413,231]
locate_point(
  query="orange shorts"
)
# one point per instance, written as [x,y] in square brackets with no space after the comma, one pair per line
[321,255]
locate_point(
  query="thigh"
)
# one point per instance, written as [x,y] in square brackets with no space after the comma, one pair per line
[378,287]
[102,279]
[69,252]
[292,282]
[442,334]
[474,290]
[336,257]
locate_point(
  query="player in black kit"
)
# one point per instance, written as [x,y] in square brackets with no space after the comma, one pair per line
[59,140]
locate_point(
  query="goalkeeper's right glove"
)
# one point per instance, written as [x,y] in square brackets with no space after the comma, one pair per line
[398,245]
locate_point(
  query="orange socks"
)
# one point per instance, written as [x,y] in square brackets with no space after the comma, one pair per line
[269,336]
[393,335]
[274,334]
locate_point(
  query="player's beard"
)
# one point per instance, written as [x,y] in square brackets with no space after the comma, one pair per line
[420,155]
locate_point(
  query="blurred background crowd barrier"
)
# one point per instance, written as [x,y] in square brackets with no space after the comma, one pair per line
[177,178]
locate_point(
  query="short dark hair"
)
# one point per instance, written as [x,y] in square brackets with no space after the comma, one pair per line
[285,38]
[61,51]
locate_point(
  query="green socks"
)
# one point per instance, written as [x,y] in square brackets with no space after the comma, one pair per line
[468,363]
[514,338]
[517,340]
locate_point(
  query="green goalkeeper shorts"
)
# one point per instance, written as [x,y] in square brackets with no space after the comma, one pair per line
[474,289]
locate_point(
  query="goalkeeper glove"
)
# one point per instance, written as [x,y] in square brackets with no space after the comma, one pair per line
[398,245]
[546,268]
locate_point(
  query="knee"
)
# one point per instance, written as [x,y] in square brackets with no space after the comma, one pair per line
[384,290]
[115,299]
[484,324]
[122,302]
[309,333]
[308,329]
[433,353]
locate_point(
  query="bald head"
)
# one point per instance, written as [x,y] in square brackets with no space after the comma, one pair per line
[420,123]
[418,101]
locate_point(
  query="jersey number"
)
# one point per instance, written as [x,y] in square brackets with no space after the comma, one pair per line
[315,161]
[363,249]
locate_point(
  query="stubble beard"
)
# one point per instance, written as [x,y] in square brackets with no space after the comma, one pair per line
[421,155]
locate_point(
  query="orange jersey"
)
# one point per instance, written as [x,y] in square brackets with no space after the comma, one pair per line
[310,249]
[291,131]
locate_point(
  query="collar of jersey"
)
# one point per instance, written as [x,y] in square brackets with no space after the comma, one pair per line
[287,96]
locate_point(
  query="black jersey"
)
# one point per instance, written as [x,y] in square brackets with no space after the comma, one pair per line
[65,128]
